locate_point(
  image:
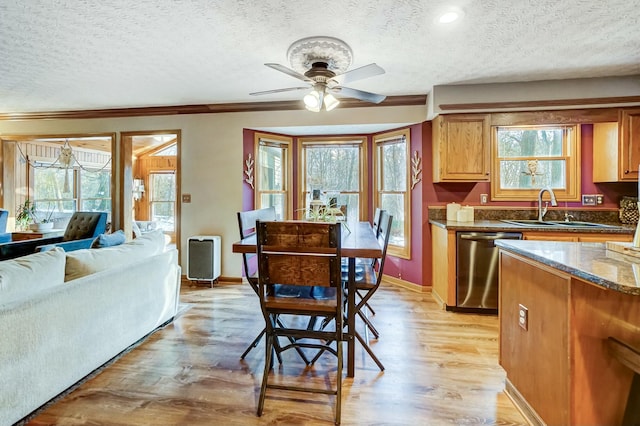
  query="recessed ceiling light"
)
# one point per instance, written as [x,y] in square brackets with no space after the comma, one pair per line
[450,15]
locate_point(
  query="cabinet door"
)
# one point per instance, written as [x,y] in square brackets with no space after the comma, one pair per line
[630,143]
[461,148]
[549,236]
[601,238]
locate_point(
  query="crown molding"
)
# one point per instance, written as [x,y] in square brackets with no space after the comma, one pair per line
[407,100]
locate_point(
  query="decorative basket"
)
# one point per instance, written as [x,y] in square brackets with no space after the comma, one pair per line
[629,210]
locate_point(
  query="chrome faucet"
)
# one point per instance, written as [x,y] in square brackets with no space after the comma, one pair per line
[543,210]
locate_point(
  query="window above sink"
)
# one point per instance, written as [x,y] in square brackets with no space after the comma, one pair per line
[527,158]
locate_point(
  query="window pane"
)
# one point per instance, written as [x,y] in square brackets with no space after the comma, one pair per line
[530,142]
[49,183]
[162,214]
[163,187]
[394,163]
[527,174]
[333,168]
[273,200]
[394,204]
[272,159]
[348,203]
[95,190]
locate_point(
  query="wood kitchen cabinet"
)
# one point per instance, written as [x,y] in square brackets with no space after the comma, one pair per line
[461,147]
[616,148]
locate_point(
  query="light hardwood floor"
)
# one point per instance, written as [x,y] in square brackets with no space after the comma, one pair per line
[441,369]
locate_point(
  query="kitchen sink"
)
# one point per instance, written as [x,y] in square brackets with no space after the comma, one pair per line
[529,222]
[556,223]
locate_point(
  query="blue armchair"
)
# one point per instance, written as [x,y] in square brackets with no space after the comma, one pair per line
[82,229]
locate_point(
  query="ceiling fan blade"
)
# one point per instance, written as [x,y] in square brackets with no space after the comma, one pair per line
[288,89]
[359,94]
[359,73]
[289,71]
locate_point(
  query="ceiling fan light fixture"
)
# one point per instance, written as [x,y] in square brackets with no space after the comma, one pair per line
[312,101]
[330,102]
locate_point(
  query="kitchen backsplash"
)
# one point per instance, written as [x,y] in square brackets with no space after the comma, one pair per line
[554,213]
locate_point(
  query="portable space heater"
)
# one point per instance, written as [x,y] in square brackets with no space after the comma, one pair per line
[203,254]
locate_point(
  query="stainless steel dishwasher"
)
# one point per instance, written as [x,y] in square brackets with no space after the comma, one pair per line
[477,270]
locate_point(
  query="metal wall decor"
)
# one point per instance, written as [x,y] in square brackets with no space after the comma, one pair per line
[416,169]
[249,163]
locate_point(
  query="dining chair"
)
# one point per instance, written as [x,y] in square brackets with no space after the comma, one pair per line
[307,255]
[360,270]
[369,284]
[376,220]
[247,226]
[365,286]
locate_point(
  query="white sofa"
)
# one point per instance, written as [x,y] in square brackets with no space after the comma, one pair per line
[62,315]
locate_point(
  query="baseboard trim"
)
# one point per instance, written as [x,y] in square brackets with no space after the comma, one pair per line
[406,284]
[438,300]
[522,405]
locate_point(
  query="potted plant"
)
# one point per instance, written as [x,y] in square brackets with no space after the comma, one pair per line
[25,214]
[42,223]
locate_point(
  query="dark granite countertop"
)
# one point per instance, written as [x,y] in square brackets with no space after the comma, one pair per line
[591,262]
[497,226]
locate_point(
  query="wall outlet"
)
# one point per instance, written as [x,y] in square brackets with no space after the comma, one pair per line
[484,198]
[599,199]
[186,198]
[523,317]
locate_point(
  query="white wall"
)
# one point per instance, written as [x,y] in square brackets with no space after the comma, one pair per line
[548,90]
[211,157]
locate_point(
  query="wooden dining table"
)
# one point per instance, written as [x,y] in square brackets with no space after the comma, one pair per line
[358,241]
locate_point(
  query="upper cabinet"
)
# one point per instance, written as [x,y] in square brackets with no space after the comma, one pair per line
[461,147]
[616,148]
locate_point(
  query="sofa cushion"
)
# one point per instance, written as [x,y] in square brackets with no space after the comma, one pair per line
[109,240]
[27,275]
[88,261]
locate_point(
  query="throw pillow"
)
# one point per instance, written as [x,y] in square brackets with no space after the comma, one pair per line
[25,276]
[109,240]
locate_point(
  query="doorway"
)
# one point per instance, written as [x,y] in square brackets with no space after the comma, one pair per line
[153,181]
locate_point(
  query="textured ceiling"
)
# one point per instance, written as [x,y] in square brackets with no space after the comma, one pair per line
[58,55]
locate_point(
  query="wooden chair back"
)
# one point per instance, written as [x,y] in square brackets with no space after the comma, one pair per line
[298,254]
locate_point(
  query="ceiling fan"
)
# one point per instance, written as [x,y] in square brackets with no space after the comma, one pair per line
[322,63]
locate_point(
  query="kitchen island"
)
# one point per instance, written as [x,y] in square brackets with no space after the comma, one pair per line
[559,303]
